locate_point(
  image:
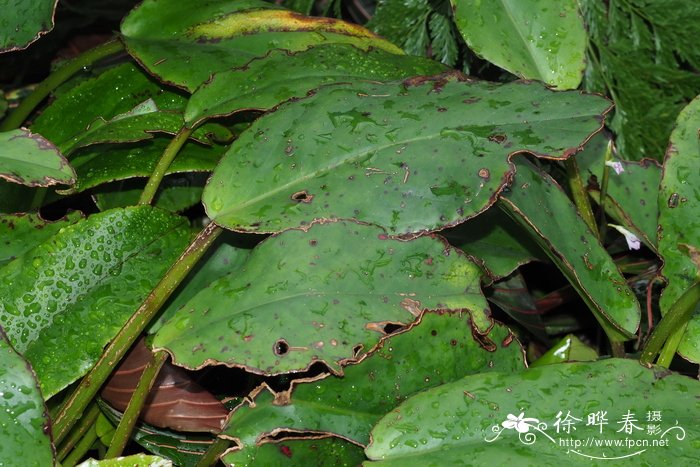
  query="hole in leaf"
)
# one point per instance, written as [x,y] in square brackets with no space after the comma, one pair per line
[302,196]
[356,350]
[281,347]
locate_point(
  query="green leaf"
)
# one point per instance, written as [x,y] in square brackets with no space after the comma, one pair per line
[513,297]
[534,39]
[679,221]
[176,193]
[24,420]
[184,43]
[496,243]
[631,194]
[539,204]
[645,56]
[29,159]
[221,259]
[475,418]
[123,104]
[65,299]
[411,157]
[105,163]
[441,347]
[569,349]
[138,460]
[260,85]
[321,295]
[327,451]
[25,21]
[22,232]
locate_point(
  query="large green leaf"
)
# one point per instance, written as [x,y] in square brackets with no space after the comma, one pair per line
[260,85]
[679,221]
[24,21]
[105,163]
[136,460]
[24,420]
[29,159]
[63,300]
[22,232]
[321,295]
[184,43]
[534,39]
[416,156]
[442,347]
[537,202]
[122,104]
[477,419]
[326,451]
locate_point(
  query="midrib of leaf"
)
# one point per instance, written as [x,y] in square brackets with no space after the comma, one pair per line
[528,45]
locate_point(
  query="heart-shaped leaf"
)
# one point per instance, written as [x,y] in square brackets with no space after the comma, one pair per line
[260,85]
[679,221]
[539,204]
[29,159]
[24,418]
[411,157]
[568,413]
[535,39]
[322,295]
[442,347]
[65,299]
[184,43]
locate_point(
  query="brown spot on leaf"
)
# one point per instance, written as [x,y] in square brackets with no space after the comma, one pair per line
[302,196]
[412,306]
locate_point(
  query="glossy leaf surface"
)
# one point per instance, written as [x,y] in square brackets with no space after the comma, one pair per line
[27,231]
[569,349]
[534,39]
[109,162]
[410,157]
[442,347]
[538,203]
[184,43]
[29,159]
[326,451]
[679,221]
[24,418]
[260,85]
[477,418]
[325,294]
[136,460]
[63,300]
[24,21]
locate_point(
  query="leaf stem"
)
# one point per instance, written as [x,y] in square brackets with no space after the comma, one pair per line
[675,319]
[603,225]
[55,79]
[75,404]
[163,164]
[212,455]
[668,351]
[79,431]
[580,195]
[81,448]
[138,400]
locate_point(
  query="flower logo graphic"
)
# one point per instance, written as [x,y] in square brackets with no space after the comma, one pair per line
[519,423]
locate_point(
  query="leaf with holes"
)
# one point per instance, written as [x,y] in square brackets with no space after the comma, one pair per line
[260,85]
[534,39]
[486,418]
[442,347]
[25,21]
[24,418]
[329,294]
[539,204]
[65,299]
[184,43]
[679,221]
[29,159]
[412,157]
